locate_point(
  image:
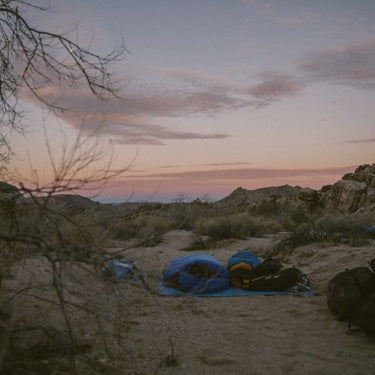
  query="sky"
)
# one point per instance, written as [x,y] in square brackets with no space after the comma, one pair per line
[216,94]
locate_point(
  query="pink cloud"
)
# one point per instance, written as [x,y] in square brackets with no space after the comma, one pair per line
[244,173]
[134,119]
[369,140]
[353,65]
[274,85]
[138,118]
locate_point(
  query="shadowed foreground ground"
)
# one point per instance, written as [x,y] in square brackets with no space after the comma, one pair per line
[235,335]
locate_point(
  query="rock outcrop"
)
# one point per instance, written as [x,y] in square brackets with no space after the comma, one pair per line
[242,199]
[355,191]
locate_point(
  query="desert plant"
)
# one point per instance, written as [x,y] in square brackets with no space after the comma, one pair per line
[185,214]
[267,208]
[331,228]
[147,229]
[338,228]
[88,232]
[38,226]
[236,226]
[32,60]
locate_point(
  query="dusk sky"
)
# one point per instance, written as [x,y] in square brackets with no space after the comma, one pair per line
[219,94]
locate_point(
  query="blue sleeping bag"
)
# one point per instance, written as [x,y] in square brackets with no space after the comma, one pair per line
[244,256]
[196,273]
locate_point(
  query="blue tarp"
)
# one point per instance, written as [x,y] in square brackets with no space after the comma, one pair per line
[178,281]
[164,290]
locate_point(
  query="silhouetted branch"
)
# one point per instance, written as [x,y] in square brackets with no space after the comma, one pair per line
[32,59]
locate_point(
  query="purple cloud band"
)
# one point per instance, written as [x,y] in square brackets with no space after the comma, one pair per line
[244,173]
[351,66]
[370,140]
[137,119]
[141,117]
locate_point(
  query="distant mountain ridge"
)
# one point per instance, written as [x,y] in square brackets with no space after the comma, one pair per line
[277,192]
[353,192]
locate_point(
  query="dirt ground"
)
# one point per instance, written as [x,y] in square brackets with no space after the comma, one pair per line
[125,328]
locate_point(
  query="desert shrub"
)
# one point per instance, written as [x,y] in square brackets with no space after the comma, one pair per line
[84,229]
[288,217]
[299,216]
[218,228]
[152,228]
[330,228]
[185,215]
[267,208]
[236,226]
[124,229]
[291,218]
[143,227]
[340,229]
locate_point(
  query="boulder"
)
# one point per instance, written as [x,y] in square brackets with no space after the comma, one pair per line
[364,173]
[309,195]
[371,195]
[310,199]
[346,196]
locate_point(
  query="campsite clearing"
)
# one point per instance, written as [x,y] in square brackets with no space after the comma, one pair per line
[252,335]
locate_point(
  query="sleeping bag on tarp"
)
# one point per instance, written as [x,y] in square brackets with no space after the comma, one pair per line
[248,272]
[243,257]
[241,266]
[196,273]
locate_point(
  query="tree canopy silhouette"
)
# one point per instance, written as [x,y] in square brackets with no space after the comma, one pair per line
[32,58]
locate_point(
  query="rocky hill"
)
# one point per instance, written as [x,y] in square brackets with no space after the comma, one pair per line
[249,200]
[353,193]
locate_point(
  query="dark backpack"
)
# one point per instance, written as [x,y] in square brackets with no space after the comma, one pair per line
[242,273]
[347,291]
[367,315]
[269,276]
[267,267]
[282,280]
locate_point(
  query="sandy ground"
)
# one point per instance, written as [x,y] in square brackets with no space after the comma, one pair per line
[132,330]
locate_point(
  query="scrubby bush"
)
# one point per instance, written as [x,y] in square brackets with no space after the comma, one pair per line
[146,228]
[268,208]
[340,229]
[185,215]
[85,229]
[289,217]
[236,226]
[331,228]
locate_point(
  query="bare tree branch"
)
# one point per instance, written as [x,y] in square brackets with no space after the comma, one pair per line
[32,59]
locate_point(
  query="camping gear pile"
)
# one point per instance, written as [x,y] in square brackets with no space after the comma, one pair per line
[203,273]
[124,269]
[351,297]
[248,272]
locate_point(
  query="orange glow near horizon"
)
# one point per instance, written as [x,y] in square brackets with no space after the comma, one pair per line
[196,185]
